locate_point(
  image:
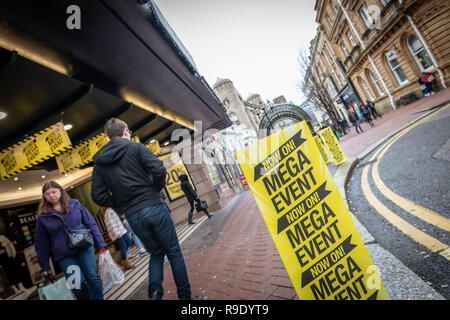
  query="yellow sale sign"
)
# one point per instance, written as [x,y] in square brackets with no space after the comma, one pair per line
[322,150]
[175,168]
[333,146]
[310,225]
[39,147]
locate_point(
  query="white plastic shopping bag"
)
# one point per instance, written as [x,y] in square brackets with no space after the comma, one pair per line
[110,274]
[55,290]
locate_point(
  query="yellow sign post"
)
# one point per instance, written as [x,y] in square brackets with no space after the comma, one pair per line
[175,168]
[310,225]
[322,150]
[333,146]
[39,147]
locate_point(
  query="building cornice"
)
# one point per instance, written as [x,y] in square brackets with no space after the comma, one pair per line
[391,27]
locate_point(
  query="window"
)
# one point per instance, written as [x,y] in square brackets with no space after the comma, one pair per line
[226,102]
[344,48]
[391,58]
[366,16]
[417,50]
[385,2]
[333,4]
[329,19]
[366,88]
[331,89]
[375,83]
[350,38]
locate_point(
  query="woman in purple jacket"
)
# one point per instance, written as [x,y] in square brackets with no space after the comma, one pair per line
[58,209]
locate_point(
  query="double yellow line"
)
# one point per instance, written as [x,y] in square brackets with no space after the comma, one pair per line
[425,214]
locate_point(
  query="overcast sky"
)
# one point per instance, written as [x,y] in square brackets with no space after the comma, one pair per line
[254,43]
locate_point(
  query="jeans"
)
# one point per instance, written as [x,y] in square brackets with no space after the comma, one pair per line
[154,226]
[357,125]
[84,261]
[123,244]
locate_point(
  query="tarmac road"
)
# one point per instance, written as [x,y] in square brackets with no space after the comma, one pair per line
[400,192]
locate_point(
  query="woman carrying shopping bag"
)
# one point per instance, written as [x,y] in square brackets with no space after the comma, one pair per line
[66,231]
[118,235]
[191,196]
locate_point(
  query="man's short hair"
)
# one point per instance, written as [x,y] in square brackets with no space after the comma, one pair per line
[114,128]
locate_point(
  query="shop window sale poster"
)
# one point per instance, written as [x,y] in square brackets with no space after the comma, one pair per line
[306,216]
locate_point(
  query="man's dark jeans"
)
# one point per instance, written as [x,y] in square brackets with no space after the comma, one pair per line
[154,226]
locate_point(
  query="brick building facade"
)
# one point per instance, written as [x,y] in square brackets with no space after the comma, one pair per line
[383,46]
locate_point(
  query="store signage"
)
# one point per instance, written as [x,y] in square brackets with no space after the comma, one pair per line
[175,168]
[83,153]
[39,147]
[306,216]
[154,147]
[333,146]
[243,181]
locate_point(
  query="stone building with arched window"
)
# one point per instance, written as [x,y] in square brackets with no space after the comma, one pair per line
[384,46]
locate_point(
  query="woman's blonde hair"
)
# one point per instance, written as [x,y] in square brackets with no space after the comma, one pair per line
[45,206]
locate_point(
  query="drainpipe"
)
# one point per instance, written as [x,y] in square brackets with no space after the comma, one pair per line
[427,48]
[391,98]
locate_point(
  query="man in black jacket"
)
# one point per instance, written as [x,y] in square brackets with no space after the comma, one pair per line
[129,177]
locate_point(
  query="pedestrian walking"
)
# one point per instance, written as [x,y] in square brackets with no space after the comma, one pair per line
[343,125]
[134,238]
[355,121]
[191,196]
[129,177]
[371,106]
[366,113]
[422,84]
[118,235]
[59,215]
[427,80]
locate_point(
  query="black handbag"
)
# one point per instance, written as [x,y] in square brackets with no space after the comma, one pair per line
[79,239]
[201,205]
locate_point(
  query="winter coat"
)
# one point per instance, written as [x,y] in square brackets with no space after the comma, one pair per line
[190,193]
[352,117]
[114,225]
[127,177]
[50,239]
[365,110]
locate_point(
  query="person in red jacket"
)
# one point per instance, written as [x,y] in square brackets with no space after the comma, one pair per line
[427,80]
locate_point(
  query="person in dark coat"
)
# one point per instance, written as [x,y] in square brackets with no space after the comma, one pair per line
[129,178]
[191,196]
[371,106]
[354,120]
[366,113]
[56,212]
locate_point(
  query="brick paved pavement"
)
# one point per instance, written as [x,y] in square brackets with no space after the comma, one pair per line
[353,144]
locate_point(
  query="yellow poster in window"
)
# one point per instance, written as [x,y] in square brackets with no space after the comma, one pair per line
[306,216]
[175,168]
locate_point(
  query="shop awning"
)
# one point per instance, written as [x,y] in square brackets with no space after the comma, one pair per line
[124,62]
[122,51]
